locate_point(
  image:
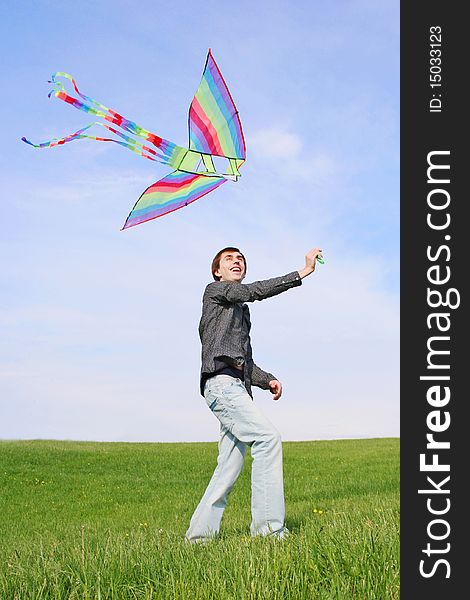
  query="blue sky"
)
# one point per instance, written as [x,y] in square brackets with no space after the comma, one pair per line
[99,327]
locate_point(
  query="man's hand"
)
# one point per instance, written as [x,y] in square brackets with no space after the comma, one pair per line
[310,260]
[276,388]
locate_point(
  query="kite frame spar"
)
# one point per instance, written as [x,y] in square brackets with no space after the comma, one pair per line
[214,129]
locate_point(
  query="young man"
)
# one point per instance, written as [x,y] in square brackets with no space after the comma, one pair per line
[227,374]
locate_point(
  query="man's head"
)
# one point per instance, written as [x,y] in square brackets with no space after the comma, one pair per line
[229,264]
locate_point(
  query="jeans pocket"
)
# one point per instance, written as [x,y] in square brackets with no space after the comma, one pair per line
[219,403]
[211,393]
[211,403]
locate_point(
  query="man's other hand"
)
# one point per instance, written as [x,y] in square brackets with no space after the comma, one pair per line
[276,388]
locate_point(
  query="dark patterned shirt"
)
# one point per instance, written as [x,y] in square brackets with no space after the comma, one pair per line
[225,326]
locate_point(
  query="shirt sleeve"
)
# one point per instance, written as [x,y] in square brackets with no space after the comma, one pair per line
[232,292]
[261,378]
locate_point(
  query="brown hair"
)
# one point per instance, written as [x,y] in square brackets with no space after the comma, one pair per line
[217,257]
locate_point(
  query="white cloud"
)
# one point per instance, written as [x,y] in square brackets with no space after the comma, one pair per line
[274,143]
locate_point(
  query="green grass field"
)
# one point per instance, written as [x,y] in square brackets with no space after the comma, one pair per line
[107,520]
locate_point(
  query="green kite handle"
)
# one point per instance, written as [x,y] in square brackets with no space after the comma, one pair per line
[320,260]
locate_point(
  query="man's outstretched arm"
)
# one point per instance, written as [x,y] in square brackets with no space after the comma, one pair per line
[232,292]
[225,291]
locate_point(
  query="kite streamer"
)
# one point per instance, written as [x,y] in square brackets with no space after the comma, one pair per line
[214,130]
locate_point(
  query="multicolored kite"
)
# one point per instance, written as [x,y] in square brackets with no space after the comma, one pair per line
[214,130]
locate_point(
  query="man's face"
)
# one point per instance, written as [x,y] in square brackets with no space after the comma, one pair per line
[231,267]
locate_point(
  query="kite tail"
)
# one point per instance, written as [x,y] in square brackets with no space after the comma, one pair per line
[129,142]
[168,152]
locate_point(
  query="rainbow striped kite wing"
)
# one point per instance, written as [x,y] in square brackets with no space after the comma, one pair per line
[214,124]
[176,190]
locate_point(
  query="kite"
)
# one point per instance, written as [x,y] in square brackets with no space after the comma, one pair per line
[215,130]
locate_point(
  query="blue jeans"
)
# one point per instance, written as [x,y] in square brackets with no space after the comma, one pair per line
[241,425]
